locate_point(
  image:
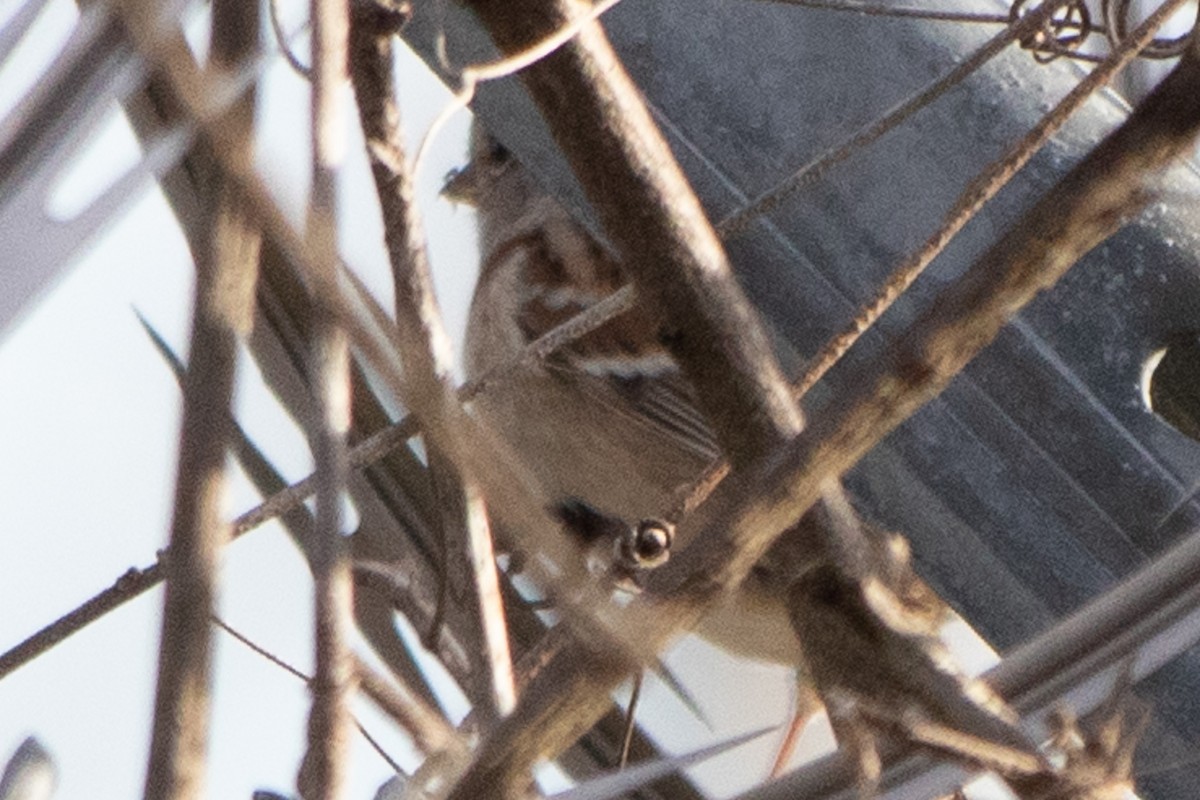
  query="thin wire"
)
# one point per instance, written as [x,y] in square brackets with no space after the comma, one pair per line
[813,170]
[870,10]
[282,38]
[286,667]
[977,193]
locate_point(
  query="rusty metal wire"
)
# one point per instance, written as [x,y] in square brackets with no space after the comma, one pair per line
[1061,36]
[900,12]
[1116,28]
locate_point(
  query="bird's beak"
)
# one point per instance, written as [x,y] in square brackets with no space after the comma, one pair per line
[462,185]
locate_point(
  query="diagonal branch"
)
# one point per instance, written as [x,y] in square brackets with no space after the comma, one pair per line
[596,118]
[655,222]
[1088,205]
[980,191]
[677,264]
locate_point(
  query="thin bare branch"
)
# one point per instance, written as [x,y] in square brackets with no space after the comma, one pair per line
[430,731]
[980,753]
[811,172]
[650,214]
[402,720]
[470,594]
[635,695]
[380,444]
[193,92]
[473,75]
[137,580]
[133,583]
[285,45]
[187,95]
[469,567]
[250,644]
[226,275]
[1110,185]
[524,515]
[324,773]
[512,493]
[982,189]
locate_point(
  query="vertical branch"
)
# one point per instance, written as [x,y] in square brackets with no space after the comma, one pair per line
[225,280]
[323,774]
[469,599]
[472,585]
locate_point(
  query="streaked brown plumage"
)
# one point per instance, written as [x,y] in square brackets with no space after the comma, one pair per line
[609,420]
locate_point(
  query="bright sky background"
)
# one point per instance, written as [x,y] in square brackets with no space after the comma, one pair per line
[88,427]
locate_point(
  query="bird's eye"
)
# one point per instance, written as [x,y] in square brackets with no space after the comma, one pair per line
[499,153]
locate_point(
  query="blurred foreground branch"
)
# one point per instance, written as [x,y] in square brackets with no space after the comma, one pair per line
[227,270]
[325,771]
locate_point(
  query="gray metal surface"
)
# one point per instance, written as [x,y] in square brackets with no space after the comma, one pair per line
[1039,478]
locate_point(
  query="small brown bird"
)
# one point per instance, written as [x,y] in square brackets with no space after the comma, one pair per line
[609,420]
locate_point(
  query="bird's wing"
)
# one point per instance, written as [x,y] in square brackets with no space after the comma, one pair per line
[665,402]
[622,362]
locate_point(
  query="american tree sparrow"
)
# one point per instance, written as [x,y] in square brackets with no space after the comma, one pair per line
[609,421]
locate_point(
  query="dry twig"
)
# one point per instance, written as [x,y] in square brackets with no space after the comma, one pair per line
[471,586]
[594,115]
[324,772]
[226,275]
[136,580]
[982,189]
